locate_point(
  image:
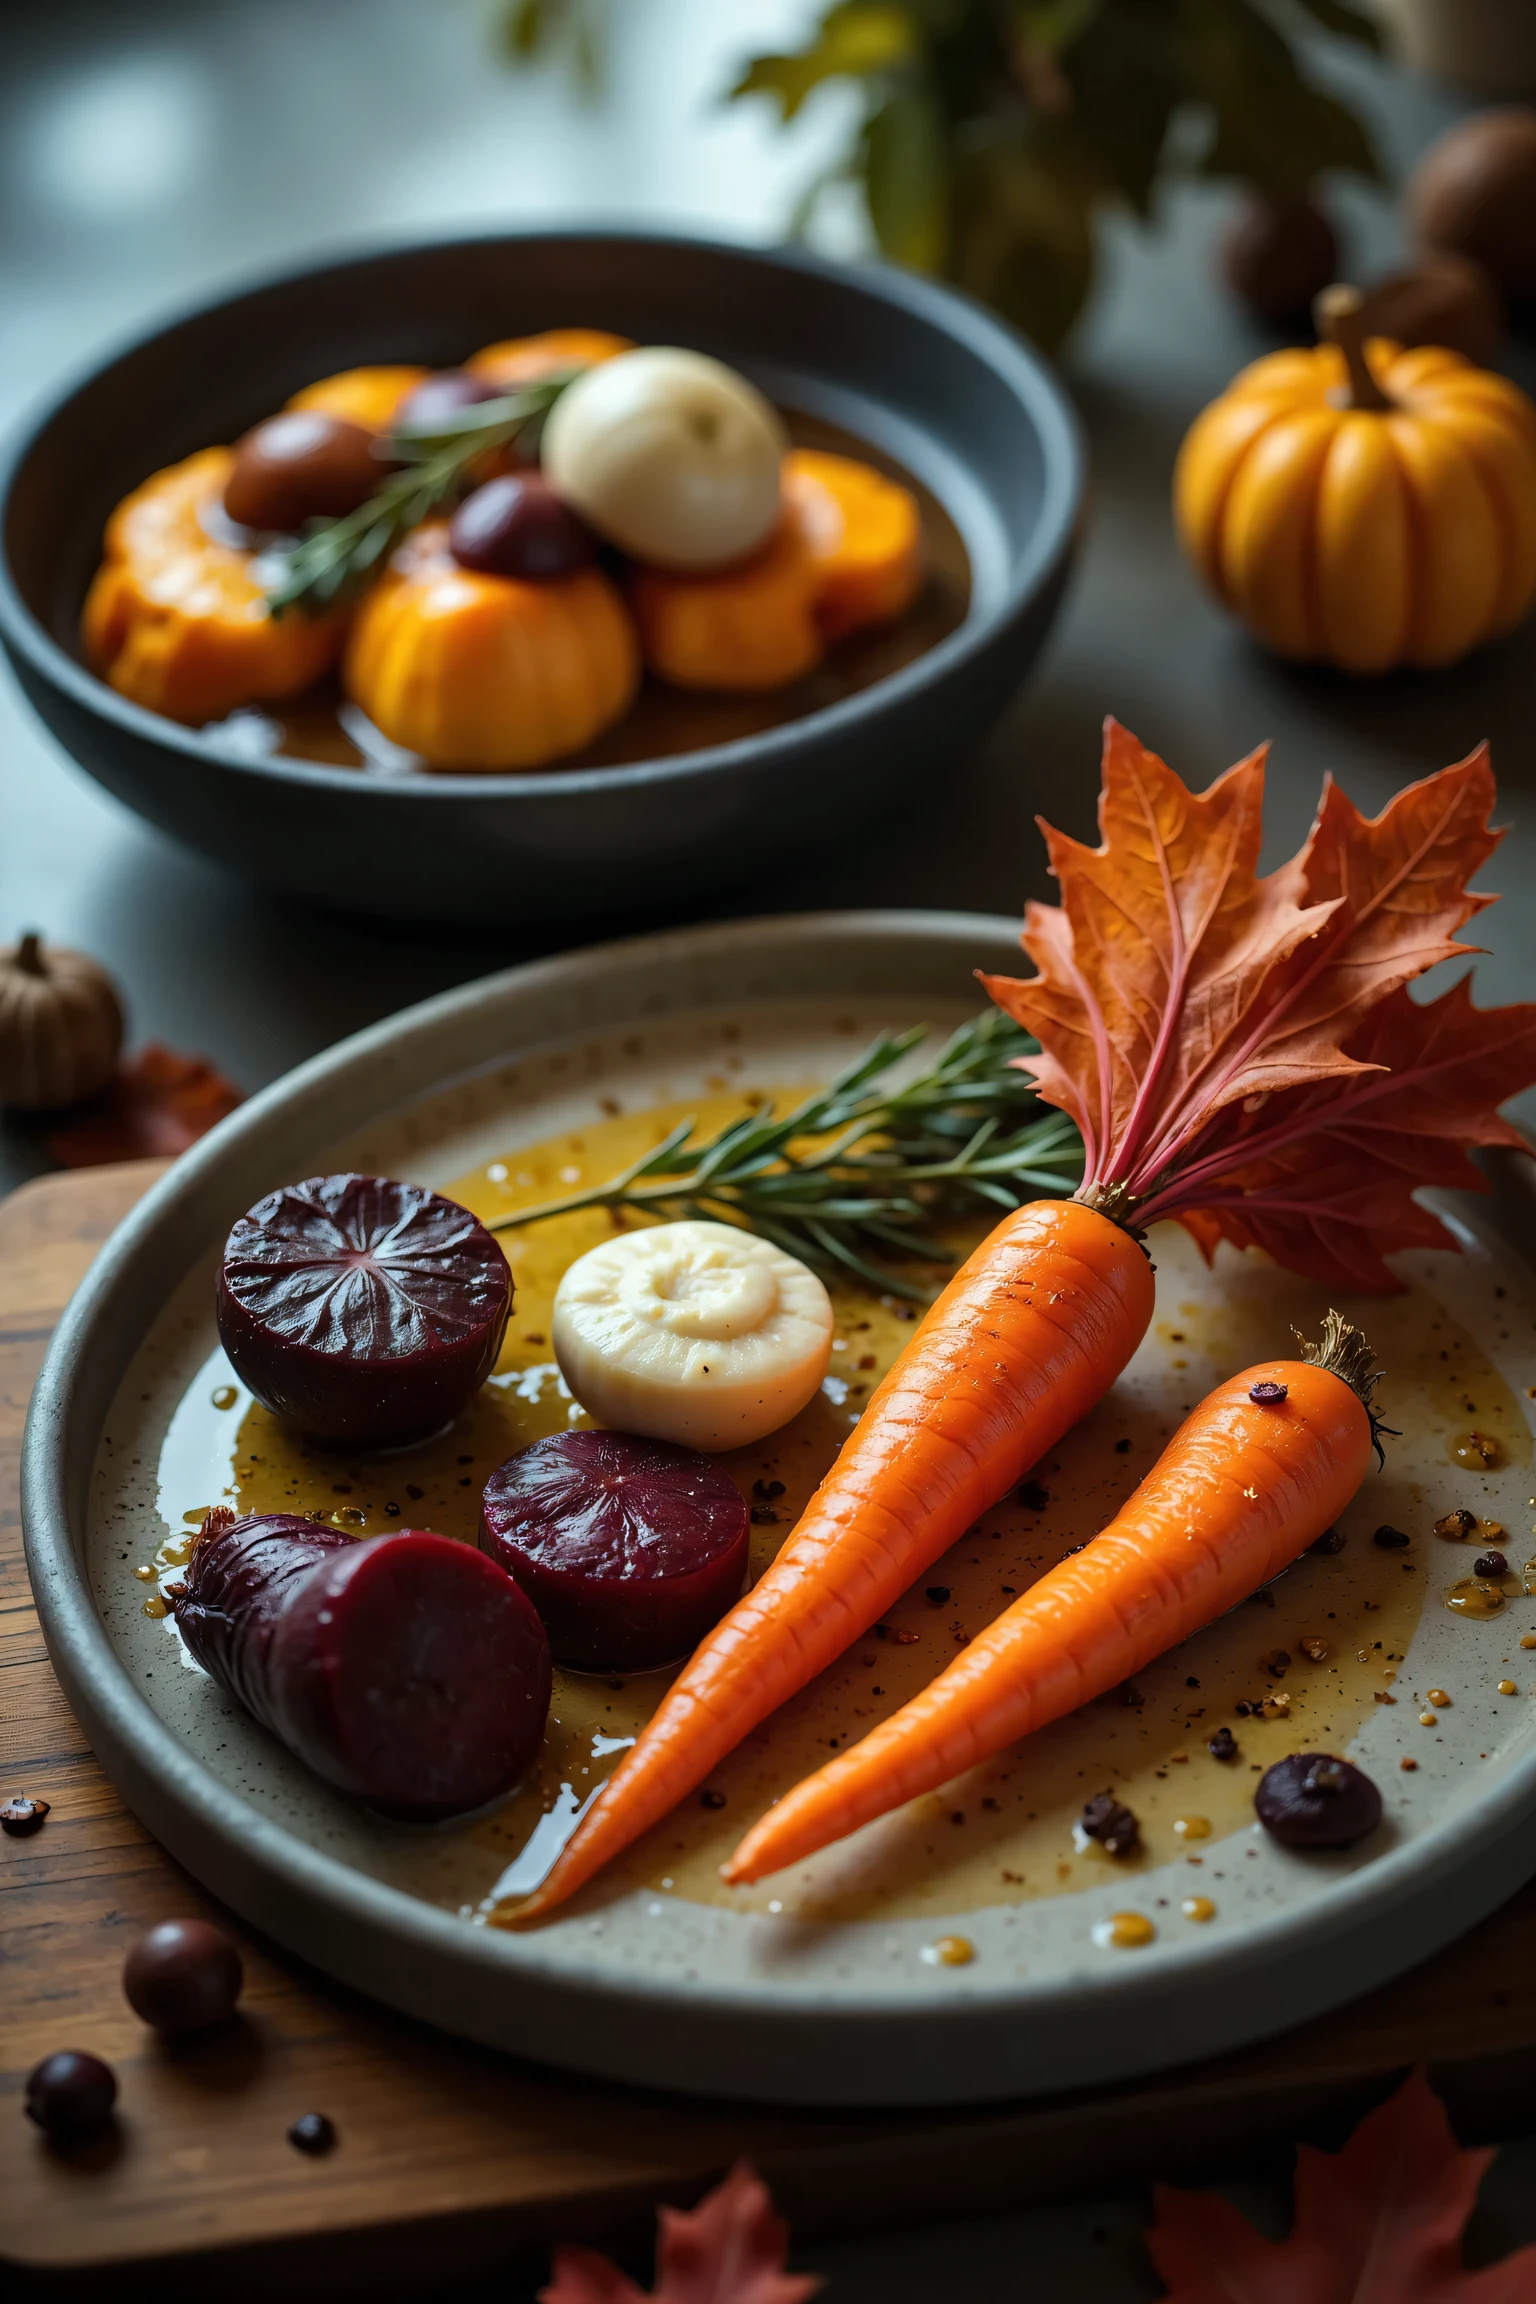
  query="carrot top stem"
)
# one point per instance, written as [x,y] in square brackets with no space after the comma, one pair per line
[1344,1353]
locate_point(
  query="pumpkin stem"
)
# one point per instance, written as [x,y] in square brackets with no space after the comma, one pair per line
[29,954]
[1339,316]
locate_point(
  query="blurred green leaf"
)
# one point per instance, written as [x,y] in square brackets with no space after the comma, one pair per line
[1126,83]
[1271,127]
[906,177]
[1052,24]
[1023,234]
[856,39]
[1349,23]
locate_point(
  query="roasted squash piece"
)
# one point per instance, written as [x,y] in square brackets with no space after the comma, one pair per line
[178,622]
[748,627]
[367,396]
[489,672]
[866,536]
[529,359]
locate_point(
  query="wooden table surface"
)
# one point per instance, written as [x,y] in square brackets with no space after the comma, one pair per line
[453,2161]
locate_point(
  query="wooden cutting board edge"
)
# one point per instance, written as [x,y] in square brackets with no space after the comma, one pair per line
[453,2162]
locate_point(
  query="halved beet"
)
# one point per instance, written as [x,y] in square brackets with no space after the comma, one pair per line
[405,1669]
[631,1550]
[364,1311]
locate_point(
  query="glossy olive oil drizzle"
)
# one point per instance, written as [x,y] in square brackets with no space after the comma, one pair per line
[1003,1834]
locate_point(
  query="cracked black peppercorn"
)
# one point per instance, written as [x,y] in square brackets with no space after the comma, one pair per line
[1490,1564]
[1312,1800]
[1331,1540]
[937,1593]
[1391,1539]
[711,1799]
[1108,1821]
[70,2095]
[1222,1745]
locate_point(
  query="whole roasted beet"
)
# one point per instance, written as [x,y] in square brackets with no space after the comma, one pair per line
[405,1669]
[364,1311]
[631,1550]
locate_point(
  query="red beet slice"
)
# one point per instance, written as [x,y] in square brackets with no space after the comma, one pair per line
[630,1549]
[364,1311]
[405,1669]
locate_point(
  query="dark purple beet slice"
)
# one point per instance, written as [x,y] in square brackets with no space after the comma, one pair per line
[364,1311]
[405,1669]
[631,1550]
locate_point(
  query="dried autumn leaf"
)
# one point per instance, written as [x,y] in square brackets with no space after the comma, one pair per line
[728,2250]
[158,1104]
[1378,2223]
[1220,1038]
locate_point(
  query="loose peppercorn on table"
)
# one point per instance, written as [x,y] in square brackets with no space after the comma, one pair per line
[450,2161]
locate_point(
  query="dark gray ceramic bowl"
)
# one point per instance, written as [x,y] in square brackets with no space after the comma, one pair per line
[917,372]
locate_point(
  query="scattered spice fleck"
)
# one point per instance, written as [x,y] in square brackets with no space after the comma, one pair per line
[1391,1539]
[1456,1527]
[1313,1649]
[937,1594]
[1408,1766]
[1223,1745]
[711,1799]
[1107,1820]
[1490,1564]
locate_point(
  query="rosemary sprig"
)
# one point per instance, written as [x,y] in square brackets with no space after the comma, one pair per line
[336,556]
[870,1169]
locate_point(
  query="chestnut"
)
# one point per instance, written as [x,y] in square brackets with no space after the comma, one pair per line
[300,466]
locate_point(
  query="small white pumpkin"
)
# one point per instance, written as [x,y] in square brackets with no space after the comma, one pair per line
[670,455]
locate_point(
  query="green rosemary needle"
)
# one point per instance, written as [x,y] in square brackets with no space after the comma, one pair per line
[870,1169]
[337,556]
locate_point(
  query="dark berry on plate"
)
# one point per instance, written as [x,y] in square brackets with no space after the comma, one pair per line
[312,2133]
[364,1311]
[300,466]
[70,2095]
[1312,1800]
[182,1976]
[630,1549]
[1107,1820]
[441,399]
[517,526]
[405,1669]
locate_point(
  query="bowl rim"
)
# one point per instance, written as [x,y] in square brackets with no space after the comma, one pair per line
[948,311]
[149,1758]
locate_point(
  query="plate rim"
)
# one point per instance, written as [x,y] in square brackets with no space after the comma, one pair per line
[155,1771]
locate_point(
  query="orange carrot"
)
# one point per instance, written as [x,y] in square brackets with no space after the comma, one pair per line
[1031,1331]
[1244,1485]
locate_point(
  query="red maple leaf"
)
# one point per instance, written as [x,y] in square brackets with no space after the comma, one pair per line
[1220,1038]
[728,2250]
[158,1103]
[1378,2223]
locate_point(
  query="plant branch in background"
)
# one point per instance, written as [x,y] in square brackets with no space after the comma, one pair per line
[993,134]
[871,1168]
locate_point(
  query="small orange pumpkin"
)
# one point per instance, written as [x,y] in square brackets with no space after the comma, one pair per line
[489,672]
[749,627]
[366,396]
[178,622]
[866,537]
[1364,506]
[530,359]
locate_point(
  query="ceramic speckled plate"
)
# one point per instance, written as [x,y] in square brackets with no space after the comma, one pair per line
[824,1985]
